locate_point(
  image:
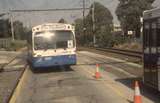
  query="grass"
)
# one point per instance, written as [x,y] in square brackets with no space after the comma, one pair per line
[16,45]
[130,46]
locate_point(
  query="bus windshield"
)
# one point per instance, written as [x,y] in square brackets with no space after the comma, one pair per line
[53,40]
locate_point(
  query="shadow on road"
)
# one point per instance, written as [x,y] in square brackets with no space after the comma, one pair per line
[51,69]
[145,91]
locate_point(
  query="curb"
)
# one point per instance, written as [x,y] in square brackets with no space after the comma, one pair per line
[18,86]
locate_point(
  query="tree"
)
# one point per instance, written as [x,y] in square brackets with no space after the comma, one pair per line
[20,31]
[103,24]
[129,13]
[5,28]
[79,31]
[62,21]
[103,27]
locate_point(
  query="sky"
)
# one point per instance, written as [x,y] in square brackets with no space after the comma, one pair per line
[70,16]
[156,3]
[35,18]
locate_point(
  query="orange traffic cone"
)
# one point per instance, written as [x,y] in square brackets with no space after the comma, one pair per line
[137,95]
[97,73]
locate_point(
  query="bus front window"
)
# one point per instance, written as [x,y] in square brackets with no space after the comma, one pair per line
[53,40]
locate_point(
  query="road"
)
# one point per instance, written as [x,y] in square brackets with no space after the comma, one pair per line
[78,85]
[11,66]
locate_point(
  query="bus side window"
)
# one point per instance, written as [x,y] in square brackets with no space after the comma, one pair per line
[153,36]
[158,36]
[146,37]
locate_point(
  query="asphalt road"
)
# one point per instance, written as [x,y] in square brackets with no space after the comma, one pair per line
[77,84]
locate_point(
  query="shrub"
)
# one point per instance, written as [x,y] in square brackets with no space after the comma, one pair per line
[17,44]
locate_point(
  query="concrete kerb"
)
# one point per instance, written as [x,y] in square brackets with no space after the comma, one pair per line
[19,86]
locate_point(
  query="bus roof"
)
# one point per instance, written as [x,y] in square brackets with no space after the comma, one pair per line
[52,26]
[153,13]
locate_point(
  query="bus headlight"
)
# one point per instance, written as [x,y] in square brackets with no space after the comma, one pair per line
[36,55]
[33,54]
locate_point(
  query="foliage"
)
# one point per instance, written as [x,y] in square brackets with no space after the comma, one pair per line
[17,44]
[20,31]
[103,26]
[129,13]
[5,30]
[79,31]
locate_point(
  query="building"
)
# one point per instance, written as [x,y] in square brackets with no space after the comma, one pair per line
[117,28]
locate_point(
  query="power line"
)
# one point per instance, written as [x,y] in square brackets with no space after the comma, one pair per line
[35,10]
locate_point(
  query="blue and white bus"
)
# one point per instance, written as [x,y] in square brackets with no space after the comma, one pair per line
[52,44]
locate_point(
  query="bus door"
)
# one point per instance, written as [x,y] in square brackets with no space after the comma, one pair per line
[150,53]
[146,52]
[158,46]
[153,54]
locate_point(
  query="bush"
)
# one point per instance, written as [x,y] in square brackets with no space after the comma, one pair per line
[17,44]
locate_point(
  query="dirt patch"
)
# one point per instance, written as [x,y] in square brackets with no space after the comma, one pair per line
[130,46]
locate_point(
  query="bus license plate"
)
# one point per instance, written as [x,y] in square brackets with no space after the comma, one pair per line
[48,58]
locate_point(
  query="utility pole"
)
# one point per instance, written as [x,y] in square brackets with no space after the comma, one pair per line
[46,10]
[84,21]
[93,20]
[12,27]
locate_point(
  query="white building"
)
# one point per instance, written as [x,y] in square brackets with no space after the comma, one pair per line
[117,28]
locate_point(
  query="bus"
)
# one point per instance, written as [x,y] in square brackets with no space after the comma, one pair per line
[151,48]
[52,44]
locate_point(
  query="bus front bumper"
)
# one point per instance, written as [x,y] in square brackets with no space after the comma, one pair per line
[54,61]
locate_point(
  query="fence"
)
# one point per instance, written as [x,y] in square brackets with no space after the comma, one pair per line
[5,42]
